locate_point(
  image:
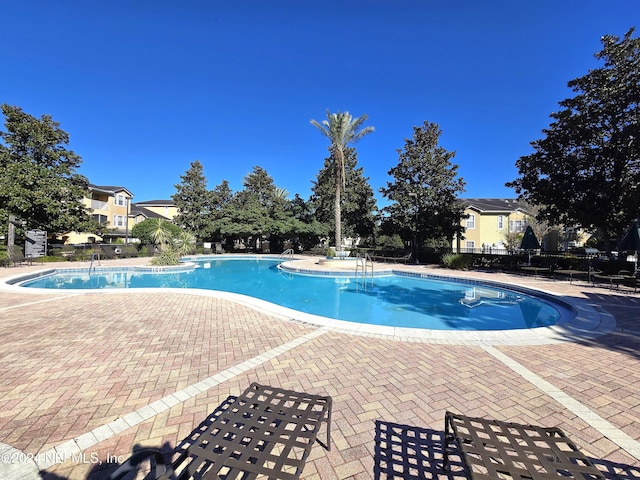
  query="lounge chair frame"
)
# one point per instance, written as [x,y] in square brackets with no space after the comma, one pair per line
[265,431]
[492,449]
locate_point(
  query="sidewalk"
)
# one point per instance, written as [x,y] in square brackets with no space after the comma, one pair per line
[86,376]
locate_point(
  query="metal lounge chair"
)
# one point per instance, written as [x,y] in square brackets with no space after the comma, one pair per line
[491,449]
[18,258]
[265,431]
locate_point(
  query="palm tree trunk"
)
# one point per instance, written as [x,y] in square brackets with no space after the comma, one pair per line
[339,165]
[338,213]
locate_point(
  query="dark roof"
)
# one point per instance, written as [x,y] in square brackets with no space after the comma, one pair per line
[496,205]
[170,203]
[145,212]
[109,188]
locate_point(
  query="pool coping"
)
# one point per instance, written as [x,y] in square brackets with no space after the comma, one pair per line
[586,324]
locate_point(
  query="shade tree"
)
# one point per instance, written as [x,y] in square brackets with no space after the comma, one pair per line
[585,171]
[424,190]
[39,179]
[193,202]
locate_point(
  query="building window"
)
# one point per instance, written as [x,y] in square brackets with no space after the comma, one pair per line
[118,221]
[470,245]
[518,226]
[471,222]
[121,200]
[500,222]
[100,218]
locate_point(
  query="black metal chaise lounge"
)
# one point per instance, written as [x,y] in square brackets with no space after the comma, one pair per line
[265,432]
[491,449]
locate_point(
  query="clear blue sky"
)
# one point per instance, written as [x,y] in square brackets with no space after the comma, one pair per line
[144,88]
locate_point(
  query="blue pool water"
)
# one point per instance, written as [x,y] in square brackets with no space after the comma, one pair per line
[394,300]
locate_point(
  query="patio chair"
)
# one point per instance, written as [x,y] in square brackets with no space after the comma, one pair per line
[628,279]
[400,259]
[265,431]
[493,449]
[18,258]
[571,272]
[535,270]
[623,277]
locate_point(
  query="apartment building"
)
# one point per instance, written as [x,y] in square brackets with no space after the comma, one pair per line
[109,205]
[490,224]
[153,209]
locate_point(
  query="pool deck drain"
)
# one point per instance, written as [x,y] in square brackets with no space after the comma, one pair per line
[74,367]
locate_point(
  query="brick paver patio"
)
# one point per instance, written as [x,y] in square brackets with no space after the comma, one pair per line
[86,376]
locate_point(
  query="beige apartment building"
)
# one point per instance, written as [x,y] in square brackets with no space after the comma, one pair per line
[112,205]
[490,224]
[108,205]
[153,209]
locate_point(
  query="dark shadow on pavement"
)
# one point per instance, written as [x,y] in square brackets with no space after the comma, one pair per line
[407,452]
[102,471]
[625,308]
[616,471]
[411,453]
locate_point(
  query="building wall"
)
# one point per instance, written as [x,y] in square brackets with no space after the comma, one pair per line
[168,211]
[489,229]
[111,208]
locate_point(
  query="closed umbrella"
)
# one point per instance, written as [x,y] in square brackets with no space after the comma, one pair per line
[529,241]
[631,240]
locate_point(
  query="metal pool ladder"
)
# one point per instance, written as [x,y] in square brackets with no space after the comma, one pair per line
[287,254]
[94,256]
[364,270]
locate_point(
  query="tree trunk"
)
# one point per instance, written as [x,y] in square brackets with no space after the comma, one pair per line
[338,212]
[11,236]
[339,164]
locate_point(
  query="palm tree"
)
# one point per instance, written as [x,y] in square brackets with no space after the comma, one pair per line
[341,129]
[161,232]
[184,242]
[280,193]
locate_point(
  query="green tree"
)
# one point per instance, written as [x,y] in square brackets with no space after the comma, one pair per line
[172,241]
[586,170]
[311,229]
[192,200]
[183,242]
[424,190]
[259,185]
[342,130]
[155,231]
[244,218]
[358,201]
[248,216]
[219,200]
[261,210]
[38,179]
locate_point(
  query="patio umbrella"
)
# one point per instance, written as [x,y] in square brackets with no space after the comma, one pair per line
[529,241]
[631,240]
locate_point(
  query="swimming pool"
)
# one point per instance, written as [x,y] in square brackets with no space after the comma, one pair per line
[391,300]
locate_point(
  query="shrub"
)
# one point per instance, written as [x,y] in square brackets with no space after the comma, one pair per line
[456,261]
[390,242]
[168,256]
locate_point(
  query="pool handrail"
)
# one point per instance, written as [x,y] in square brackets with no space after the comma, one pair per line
[94,255]
[287,254]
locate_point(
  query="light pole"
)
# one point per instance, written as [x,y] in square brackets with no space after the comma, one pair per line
[415,227]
